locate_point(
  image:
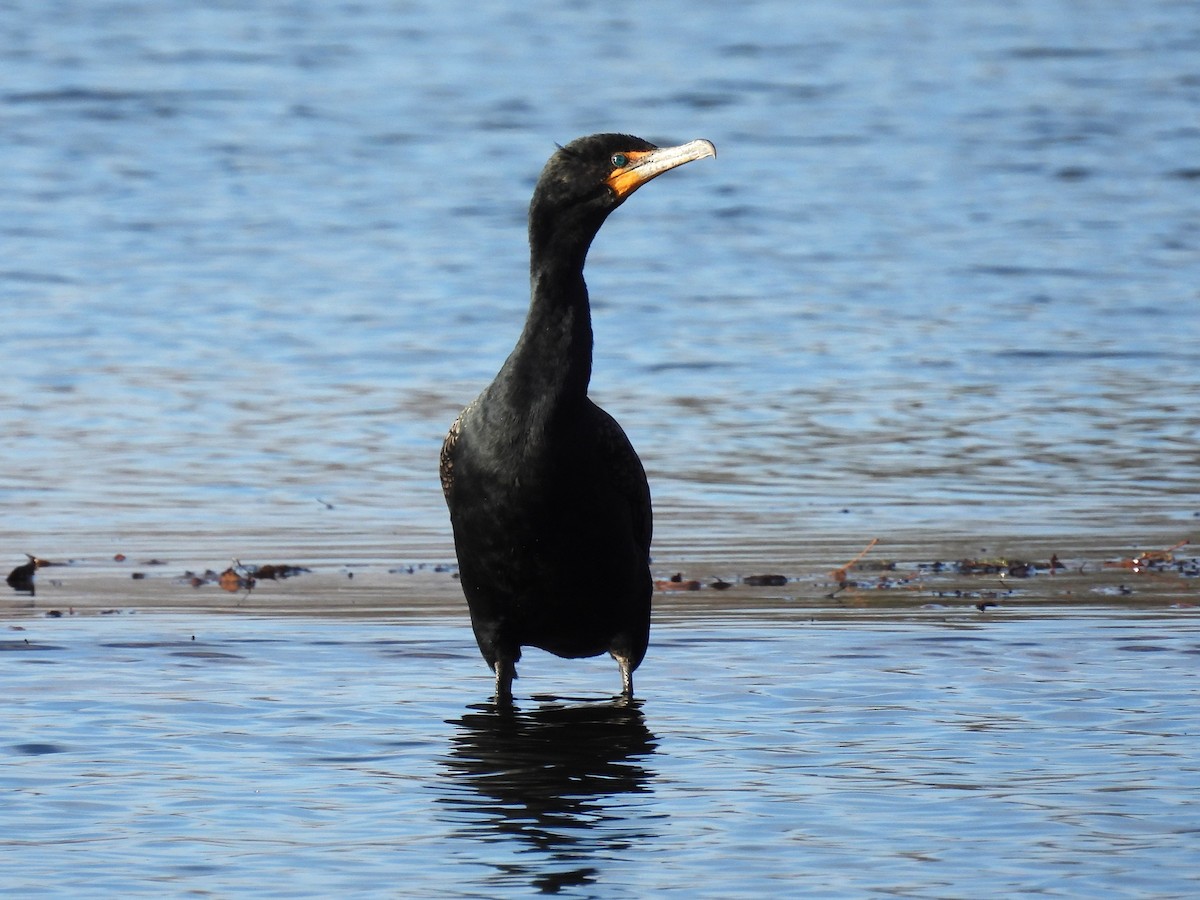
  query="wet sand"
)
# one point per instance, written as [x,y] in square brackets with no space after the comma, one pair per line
[991,576]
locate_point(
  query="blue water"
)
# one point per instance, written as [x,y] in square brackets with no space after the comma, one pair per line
[942,756]
[939,287]
[942,274]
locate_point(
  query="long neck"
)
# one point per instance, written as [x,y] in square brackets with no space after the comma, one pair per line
[551,365]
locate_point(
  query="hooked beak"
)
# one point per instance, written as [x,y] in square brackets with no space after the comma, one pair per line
[644,165]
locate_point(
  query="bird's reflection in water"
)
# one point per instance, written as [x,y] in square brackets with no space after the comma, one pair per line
[556,782]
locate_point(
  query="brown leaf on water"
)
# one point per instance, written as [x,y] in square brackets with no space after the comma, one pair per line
[233,581]
[243,577]
[1146,559]
[677,583]
[842,572]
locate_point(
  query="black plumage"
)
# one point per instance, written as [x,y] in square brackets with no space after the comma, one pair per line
[548,500]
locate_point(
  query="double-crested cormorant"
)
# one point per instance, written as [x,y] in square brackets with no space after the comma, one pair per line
[549,501]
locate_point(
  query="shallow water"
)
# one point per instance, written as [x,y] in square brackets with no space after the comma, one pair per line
[930,755]
[939,287]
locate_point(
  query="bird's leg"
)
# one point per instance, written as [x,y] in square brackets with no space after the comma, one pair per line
[506,671]
[626,676]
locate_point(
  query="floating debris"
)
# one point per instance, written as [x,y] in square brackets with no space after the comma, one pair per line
[413,568]
[20,579]
[191,578]
[677,583]
[242,577]
[988,566]
[841,573]
[1156,560]
[765,580]
[233,581]
[275,572]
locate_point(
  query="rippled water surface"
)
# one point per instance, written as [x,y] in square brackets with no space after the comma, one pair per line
[935,755]
[940,287]
[942,275]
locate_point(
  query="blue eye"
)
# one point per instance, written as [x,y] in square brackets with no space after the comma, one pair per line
[620,160]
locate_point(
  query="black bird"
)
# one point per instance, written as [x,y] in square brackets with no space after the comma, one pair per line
[547,497]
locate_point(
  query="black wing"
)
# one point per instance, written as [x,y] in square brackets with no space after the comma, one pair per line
[628,475]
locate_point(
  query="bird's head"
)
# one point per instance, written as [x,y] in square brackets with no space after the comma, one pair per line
[591,176]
